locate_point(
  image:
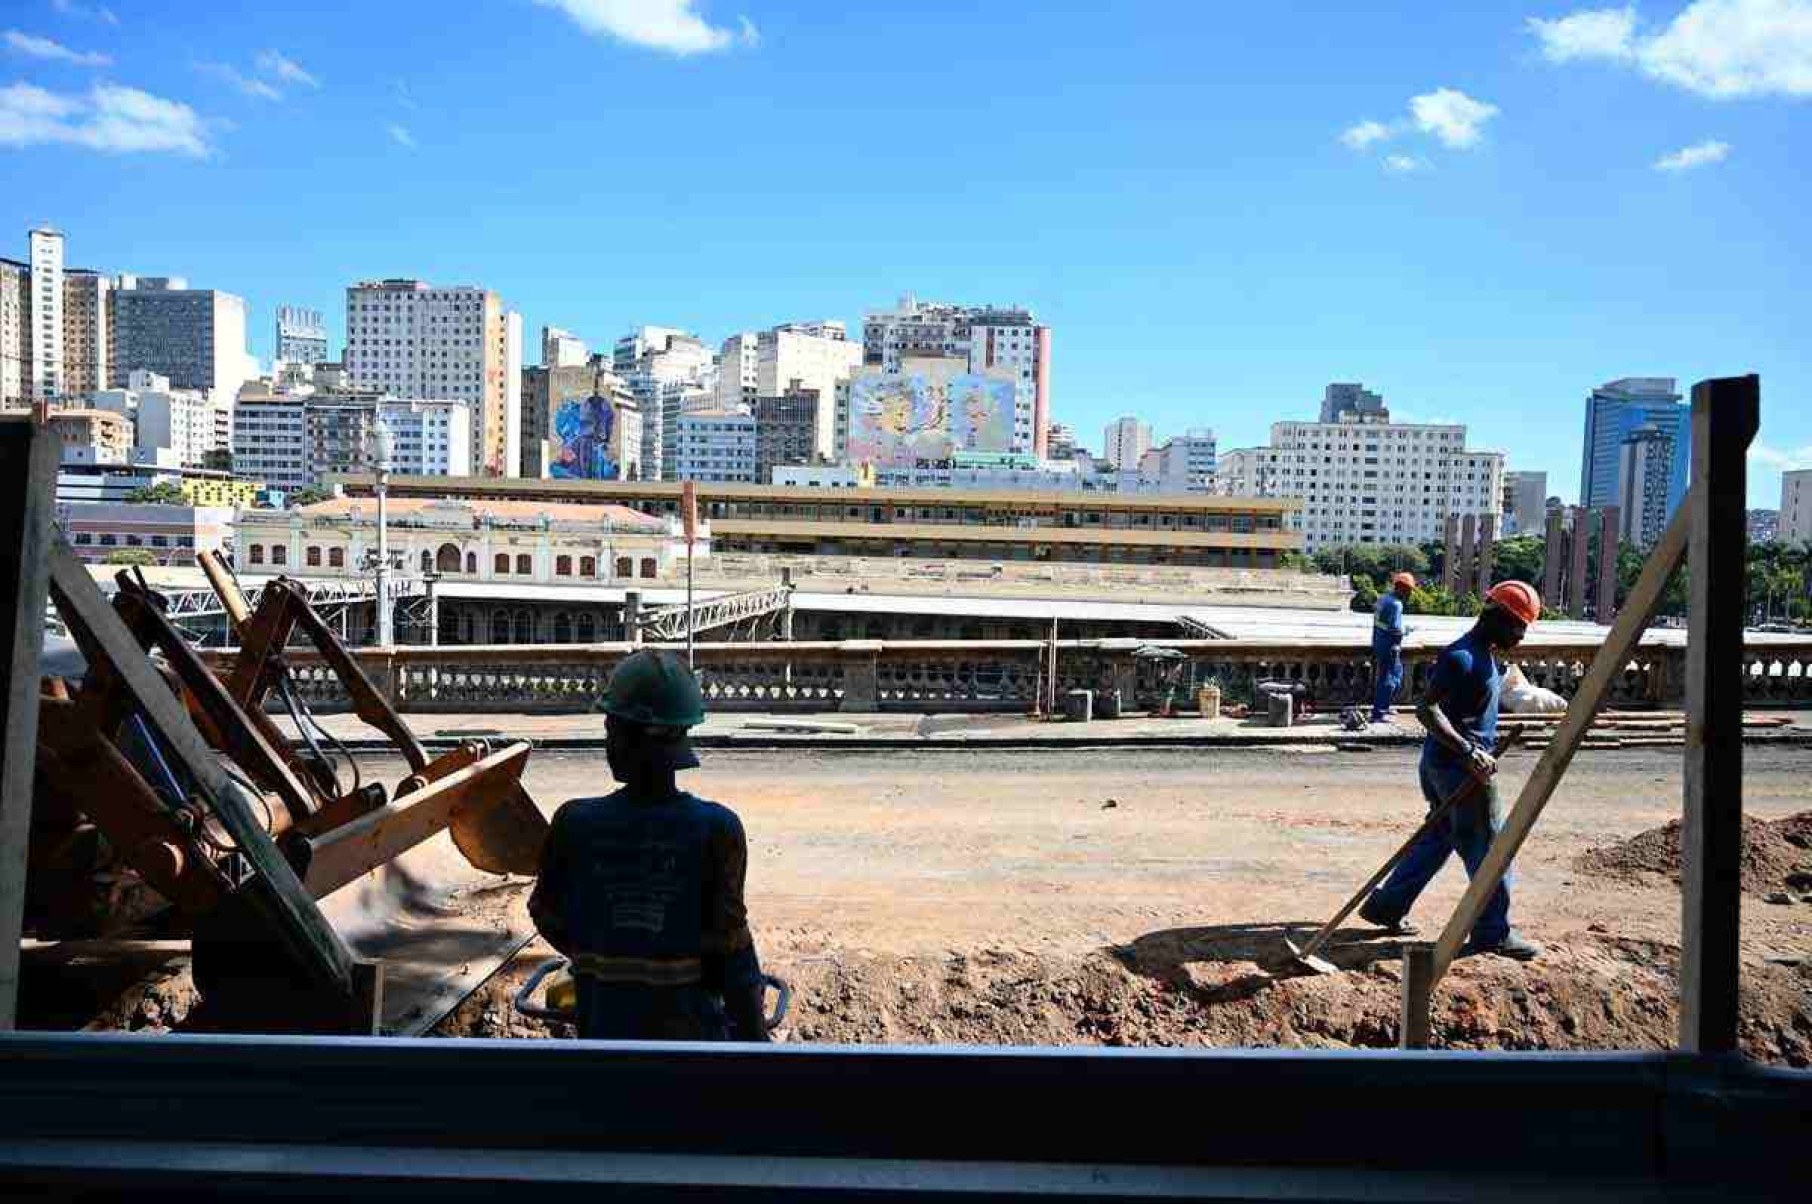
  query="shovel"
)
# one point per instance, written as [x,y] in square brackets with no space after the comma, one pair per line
[1308,956]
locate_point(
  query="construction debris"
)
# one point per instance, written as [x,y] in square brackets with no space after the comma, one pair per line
[1777,856]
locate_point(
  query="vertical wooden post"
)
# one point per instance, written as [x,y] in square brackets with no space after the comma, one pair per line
[1450,562]
[28,473]
[1608,546]
[1485,559]
[1468,553]
[1576,576]
[1414,1024]
[1725,414]
[1554,554]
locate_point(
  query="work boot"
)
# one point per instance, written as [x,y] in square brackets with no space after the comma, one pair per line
[1396,926]
[1515,946]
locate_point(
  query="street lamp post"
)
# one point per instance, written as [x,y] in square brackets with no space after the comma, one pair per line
[381,465]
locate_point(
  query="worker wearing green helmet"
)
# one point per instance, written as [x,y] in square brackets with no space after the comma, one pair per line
[643,888]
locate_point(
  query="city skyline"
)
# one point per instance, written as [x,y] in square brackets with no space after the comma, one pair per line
[1519,212]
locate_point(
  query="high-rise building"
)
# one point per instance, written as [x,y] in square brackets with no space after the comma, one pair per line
[415,340]
[45,382]
[301,335]
[15,320]
[195,337]
[1644,469]
[561,349]
[1615,411]
[1352,402]
[786,431]
[92,436]
[1007,340]
[1060,442]
[87,321]
[791,358]
[1183,463]
[1795,523]
[270,439]
[548,450]
[677,400]
[1764,526]
[661,364]
[716,446]
[1367,480]
[1525,502]
[1124,441]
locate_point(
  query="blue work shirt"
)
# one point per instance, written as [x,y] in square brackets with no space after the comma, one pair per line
[646,898]
[1387,624]
[1469,683]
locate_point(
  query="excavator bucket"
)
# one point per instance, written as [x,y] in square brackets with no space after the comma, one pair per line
[313,908]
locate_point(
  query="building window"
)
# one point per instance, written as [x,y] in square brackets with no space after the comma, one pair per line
[256,550]
[524,565]
[500,563]
[563,566]
[279,554]
[649,567]
[500,627]
[446,558]
[625,567]
[313,557]
[336,558]
[427,561]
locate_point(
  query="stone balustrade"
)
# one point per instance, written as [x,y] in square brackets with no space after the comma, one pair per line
[974,676]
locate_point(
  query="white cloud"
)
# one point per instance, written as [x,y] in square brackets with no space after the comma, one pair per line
[107,118]
[285,70]
[1593,33]
[43,48]
[249,85]
[670,25]
[1405,164]
[1721,49]
[70,8]
[1452,116]
[1781,459]
[1699,154]
[400,135]
[1365,133]
[751,36]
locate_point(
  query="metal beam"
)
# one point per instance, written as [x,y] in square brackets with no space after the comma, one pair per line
[660,623]
[1725,414]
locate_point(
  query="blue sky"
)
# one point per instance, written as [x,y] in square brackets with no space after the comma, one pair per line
[1546,196]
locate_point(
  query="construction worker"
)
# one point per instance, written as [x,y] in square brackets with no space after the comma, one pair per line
[1387,644]
[642,889]
[1459,709]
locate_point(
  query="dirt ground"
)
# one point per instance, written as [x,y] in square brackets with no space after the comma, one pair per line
[1141,897]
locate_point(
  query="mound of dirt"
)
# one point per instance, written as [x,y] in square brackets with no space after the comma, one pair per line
[1777,856]
[1589,992]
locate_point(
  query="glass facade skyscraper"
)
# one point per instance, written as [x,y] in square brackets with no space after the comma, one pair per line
[1616,411]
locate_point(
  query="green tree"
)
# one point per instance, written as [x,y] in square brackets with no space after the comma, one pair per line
[1519,558]
[308,495]
[130,556]
[163,493]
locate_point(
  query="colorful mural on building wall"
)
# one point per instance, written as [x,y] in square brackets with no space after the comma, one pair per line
[580,444]
[898,421]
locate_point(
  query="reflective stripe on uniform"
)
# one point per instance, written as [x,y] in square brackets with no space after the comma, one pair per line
[640,971]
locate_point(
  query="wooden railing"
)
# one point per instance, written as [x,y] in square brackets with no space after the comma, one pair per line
[994,675]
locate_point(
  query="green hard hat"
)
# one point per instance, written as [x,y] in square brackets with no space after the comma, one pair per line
[654,688]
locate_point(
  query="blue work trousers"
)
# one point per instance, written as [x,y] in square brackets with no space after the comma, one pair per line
[1389,665]
[1468,830]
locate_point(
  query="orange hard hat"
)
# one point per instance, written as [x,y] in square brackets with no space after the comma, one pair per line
[1517,597]
[1407,580]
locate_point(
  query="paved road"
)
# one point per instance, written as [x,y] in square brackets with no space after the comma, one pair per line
[903,853]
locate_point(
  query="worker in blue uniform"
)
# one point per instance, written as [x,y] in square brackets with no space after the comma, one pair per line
[642,889]
[1387,644]
[1459,710]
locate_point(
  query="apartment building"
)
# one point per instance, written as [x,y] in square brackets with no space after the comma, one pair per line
[407,338]
[1794,526]
[716,445]
[793,358]
[185,425]
[193,337]
[301,335]
[663,367]
[1124,442]
[91,436]
[1183,463]
[989,339]
[87,327]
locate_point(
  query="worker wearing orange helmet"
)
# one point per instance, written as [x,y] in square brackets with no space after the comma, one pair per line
[1387,644]
[1459,709]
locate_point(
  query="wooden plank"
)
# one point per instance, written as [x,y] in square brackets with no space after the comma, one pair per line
[1414,1026]
[1725,414]
[28,466]
[1612,657]
[297,920]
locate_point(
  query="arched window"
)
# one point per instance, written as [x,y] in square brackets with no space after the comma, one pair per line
[472,563]
[524,564]
[625,567]
[588,566]
[525,627]
[312,556]
[563,628]
[563,566]
[446,560]
[500,627]
[649,567]
[427,561]
[336,558]
[585,629]
[257,552]
[279,554]
[500,563]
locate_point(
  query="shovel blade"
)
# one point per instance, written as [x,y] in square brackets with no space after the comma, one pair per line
[1311,961]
